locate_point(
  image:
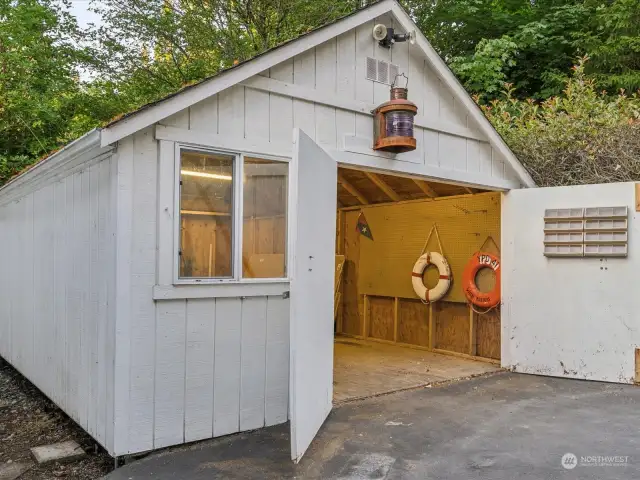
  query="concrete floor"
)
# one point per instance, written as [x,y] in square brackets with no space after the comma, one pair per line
[498,427]
[364,368]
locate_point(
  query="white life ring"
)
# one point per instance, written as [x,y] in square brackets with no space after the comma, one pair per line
[434,294]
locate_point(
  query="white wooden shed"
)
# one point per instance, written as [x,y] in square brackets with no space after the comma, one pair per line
[170,277]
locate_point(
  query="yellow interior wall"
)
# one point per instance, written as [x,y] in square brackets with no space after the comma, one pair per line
[399,233]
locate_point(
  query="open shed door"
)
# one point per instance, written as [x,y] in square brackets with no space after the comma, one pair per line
[569,281]
[314,183]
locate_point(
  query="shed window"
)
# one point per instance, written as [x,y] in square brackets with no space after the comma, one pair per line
[206,215]
[264,209]
[231,229]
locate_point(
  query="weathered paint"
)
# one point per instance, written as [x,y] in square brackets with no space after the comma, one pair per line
[568,317]
[57,251]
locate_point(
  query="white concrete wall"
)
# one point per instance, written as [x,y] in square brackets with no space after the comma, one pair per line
[568,317]
[57,292]
[186,368]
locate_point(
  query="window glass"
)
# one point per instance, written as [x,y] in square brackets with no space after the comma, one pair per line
[264,241]
[206,215]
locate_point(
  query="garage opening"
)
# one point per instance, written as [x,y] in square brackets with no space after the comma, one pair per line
[387,338]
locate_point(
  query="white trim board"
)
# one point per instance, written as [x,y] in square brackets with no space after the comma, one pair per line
[295,91]
[224,290]
[282,151]
[380,164]
[445,74]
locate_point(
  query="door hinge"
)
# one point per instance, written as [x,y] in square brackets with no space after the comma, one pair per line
[286,295]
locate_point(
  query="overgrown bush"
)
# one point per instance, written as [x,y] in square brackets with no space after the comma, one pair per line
[582,136]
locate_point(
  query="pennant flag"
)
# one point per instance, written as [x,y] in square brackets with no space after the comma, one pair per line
[363,227]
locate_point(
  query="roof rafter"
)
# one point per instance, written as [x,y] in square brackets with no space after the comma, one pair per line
[426,188]
[382,185]
[352,190]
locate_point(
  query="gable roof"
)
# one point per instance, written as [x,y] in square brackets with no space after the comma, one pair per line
[152,113]
[188,96]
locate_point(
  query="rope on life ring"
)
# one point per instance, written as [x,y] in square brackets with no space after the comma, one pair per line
[478,261]
[434,294]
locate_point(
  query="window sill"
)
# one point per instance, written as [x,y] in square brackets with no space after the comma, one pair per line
[222,290]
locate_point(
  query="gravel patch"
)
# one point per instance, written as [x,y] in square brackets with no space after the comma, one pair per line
[29,419]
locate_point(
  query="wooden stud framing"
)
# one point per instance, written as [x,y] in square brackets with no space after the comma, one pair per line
[389,192]
[340,251]
[637,376]
[425,187]
[432,328]
[365,322]
[637,197]
[415,200]
[395,319]
[472,333]
[352,190]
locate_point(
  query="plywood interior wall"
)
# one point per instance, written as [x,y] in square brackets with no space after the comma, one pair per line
[465,223]
[378,300]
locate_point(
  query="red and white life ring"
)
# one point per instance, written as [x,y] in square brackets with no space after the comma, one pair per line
[478,261]
[439,291]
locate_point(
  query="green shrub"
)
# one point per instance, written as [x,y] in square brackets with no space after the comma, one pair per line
[11,165]
[582,136]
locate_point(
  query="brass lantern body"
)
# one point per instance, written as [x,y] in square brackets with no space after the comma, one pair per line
[393,123]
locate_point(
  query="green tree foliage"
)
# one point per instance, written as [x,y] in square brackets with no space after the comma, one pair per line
[532,43]
[38,81]
[147,49]
[581,136]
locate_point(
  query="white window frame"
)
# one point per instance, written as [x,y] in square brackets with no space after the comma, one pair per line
[237,212]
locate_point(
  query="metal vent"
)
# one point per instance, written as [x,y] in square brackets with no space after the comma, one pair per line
[372,69]
[381,71]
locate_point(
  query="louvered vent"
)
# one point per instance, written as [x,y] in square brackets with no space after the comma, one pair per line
[372,69]
[381,71]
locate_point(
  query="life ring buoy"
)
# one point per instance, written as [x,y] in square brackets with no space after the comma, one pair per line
[439,291]
[478,261]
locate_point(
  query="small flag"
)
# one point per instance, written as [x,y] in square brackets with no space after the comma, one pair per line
[363,227]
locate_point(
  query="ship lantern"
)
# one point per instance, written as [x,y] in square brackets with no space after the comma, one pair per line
[393,121]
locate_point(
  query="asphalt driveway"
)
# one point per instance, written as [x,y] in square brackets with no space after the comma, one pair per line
[499,427]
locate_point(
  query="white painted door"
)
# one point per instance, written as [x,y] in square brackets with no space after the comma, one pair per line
[314,177]
[577,316]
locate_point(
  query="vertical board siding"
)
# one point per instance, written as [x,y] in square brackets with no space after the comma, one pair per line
[281,107]
[252,363]
[228,340]
[169,373]
[55,324]
[142,316]
[122,365]
[277,362]
[204,115]
[304,74]
[197,368]
[198,413]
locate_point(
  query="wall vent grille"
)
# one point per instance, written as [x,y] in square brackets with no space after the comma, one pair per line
[381,71]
